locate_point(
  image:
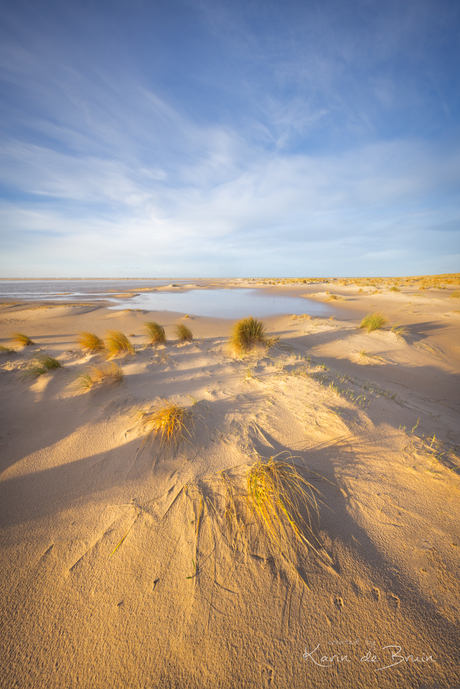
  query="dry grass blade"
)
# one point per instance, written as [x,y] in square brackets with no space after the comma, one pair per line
[6,350]
[373,321]
[110,373]
[247,333]
[155,333]
[21,339]
[183,333]
[117,343]
[41,365]
[90,341]
[168,422]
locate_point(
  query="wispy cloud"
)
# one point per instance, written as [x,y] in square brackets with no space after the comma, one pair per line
[287,154]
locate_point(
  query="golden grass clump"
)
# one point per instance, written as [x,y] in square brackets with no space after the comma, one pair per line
[6,350]
[110,373]
[155,333]
[247,333]
[455,295]
[90,341]
[183,333]
[21,339]
[394,289]
[373,321]
[168,422]
[41,365]
[283,501]
[117,343]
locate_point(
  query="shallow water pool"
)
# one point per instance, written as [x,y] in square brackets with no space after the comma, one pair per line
[225,303]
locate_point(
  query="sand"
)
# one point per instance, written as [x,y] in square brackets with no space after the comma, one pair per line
[116,566]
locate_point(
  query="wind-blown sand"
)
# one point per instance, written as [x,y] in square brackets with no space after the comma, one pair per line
[177,604]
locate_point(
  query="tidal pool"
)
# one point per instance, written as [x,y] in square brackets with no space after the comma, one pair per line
[225,303]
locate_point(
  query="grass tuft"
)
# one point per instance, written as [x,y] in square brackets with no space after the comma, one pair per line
[373,321]
[91,342]
[394,289]
[6,350]
[455,295]
[117,343]
[183,333]
[399,330]
[168,422]
[155,333]
[110,373]
[23,340]
[279,496]
[247,333]
[41,365]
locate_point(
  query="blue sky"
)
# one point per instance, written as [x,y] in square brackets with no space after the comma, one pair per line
[200,138]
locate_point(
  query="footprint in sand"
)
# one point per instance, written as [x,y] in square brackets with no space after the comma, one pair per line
[394,601]
[267,676]
[376,593]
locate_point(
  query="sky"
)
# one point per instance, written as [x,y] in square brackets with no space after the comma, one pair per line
[229,138]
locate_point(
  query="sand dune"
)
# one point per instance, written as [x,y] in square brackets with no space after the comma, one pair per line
[119,566]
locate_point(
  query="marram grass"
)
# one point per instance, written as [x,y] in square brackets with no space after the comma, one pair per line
[169,423]
[21,339]
[373,321]
[90,341]
[117,343]
[41,365]
[270,499]
[283,501]
[183,333]
[247,333]
[155,333]
[399,330]
[109,373]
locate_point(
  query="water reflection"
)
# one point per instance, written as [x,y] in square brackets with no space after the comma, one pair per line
[225,303]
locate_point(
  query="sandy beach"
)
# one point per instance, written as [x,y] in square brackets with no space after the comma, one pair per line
[122,563]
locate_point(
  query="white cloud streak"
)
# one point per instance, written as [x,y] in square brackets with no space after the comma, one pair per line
[103,170]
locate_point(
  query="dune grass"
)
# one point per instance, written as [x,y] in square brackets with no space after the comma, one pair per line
[90,341]
[42,365]
[109,373]
[394,289]
[373,321]
[183,333]
[455,295]
[247,333]
[399,330]
[6,350]
[283,501]
[268,505]
[117,343]
[155,333]
[22,340]
[169,423]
